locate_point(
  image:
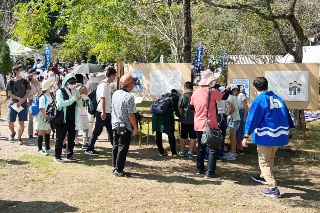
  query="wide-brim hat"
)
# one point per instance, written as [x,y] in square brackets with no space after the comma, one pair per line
[46,84]
[207,77]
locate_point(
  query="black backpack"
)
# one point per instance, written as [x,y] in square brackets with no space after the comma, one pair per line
[54,116]
[93,104]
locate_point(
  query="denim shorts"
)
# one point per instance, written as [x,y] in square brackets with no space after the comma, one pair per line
[234,125]
[12,114]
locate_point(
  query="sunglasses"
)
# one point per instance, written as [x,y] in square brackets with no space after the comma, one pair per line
[72,81]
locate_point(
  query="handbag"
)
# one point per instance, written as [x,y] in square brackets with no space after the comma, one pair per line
[82,120]
[211,137]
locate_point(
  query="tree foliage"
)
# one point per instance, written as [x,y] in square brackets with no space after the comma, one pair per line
[6,63]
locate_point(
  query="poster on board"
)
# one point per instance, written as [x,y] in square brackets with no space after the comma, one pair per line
[245,86]
[289,85]
[138,81]
[162,82]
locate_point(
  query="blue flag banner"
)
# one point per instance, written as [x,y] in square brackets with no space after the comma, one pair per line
[199,56]
[223,60]
[47,56]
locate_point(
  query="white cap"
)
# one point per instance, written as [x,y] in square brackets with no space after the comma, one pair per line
[233,86]
[222,89]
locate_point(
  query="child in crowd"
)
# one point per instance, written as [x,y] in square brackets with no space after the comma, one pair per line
[42,126]
[234,122]
[186,120]
[243,111]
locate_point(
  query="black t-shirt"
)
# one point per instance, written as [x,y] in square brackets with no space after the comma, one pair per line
[18,88]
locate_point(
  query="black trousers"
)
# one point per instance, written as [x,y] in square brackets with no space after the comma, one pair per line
[68,127]
[120,149]
[98,129]
[172,142]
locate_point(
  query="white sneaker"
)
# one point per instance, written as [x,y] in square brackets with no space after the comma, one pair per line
[42,152]
[230,157]
[229,153]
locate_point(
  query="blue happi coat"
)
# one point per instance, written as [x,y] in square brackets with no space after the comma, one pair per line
[269,120]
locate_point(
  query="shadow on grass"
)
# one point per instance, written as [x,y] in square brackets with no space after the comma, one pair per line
[13,162]
[35,206]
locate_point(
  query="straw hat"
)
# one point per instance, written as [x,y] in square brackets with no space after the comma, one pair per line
[207,77]
[46,84]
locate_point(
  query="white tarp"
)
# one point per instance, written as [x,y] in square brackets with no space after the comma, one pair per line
[162,82]
[17,49]
[289,85]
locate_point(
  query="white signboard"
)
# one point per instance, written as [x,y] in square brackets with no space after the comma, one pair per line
[245,86]
[162,82]
[289,85]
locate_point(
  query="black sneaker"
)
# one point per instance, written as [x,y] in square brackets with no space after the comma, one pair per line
[200,173]
[11,137]
[213,176]
[71,159]
[78,145]
[121,174]
[259,179]
[91,152]
[58,160]
[19,142]
[85,146]
[240,152]
[163,154]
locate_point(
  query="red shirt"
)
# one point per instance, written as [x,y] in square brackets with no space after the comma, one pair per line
[199,100]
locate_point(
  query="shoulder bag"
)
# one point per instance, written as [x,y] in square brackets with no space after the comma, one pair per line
[211,137]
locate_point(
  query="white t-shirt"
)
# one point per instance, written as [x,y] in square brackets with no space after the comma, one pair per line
[104,90]
[241,97]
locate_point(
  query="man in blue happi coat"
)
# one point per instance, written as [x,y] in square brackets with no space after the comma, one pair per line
[269,123]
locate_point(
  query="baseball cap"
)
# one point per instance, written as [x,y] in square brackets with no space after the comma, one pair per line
[233,86]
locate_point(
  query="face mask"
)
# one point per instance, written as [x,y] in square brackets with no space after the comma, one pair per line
[212,84]
[50,73]
[71,86]
[22,73]
[35,76]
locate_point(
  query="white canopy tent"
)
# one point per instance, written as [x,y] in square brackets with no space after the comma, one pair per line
[311,54]
[17,49]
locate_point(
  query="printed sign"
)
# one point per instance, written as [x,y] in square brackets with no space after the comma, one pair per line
[289,85]
[162,82]
[47,56]
[199,56]
[245,86]
[138,81]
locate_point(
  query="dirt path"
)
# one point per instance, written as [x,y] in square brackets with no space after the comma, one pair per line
[32,183]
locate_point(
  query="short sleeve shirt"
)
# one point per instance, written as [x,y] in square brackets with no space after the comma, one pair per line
[44,101]
[122,105]
[19,89]
[104,90]
[187,116]
[241,97]
[235,116]
[199,100]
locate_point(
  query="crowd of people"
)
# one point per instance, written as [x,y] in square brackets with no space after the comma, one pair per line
[268,118]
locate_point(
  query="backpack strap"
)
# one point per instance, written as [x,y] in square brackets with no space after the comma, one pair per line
[64,94]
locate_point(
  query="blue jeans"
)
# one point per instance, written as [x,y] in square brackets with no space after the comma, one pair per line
[240,131]
[85,133]
[212,159]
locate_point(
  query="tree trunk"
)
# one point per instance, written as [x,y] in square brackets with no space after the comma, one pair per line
[187,31]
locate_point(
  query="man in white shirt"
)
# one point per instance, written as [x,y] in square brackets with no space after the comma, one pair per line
[103,113]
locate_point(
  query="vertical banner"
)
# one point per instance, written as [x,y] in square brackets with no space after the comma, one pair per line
[223,60]
[199,56]
[161,59]
[245,86]
[47,56]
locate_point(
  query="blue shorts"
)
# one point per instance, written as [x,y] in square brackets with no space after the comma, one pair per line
[12,114]
[234,125]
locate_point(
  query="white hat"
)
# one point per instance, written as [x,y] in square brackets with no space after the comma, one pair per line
[222,89]
[207,77]
[233,86]
[179,91]
[46,84]
[39,66]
